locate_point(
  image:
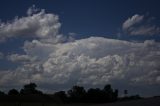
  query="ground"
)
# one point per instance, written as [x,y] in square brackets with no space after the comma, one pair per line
[142,102]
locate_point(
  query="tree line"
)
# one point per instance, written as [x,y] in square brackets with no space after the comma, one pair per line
[77,94]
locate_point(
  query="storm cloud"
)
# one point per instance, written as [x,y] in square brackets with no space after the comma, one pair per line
[93,61]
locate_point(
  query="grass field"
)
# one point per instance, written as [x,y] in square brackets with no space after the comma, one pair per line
[142,102]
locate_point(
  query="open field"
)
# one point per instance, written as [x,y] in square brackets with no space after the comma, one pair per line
[142,102]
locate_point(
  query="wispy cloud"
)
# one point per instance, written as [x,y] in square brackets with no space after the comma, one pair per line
[19,58]
[140,25]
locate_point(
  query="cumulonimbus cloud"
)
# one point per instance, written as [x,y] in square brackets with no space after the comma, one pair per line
[91,61]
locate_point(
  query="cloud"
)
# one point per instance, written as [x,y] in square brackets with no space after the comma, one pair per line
[1,55]
[99,61]
[140,25]
[52,63]
[136,19]
[20,58]
[93,61]
[32,10]
[37,24]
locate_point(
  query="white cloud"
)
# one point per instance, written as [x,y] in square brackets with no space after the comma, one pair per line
[40,50]
[32,10]
[20,58]
[146,30]
[136,19]
[103,59]
[40,24]
[140,25]
[93,61]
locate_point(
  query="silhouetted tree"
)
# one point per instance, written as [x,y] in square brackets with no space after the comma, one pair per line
[2,93]
[125,92]
[30,89]
[13,92]
[107,88]
[31,86]
[61,96]
[115,94]
[109,96]
[29,93]
[77,94]
[95,95]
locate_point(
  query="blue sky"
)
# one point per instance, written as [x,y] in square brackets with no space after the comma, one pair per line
[115,41]
[86,17]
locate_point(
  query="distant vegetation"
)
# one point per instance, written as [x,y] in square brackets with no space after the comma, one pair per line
[77,94]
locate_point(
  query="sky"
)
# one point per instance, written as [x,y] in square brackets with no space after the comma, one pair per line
[61,43]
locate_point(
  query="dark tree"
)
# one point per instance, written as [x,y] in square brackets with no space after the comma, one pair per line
[2,93]
[107,88]
[95,95]
[115,94]
[61,96]
[31,86]
[125,93]
[13,92]
[109,96]
[77,94]
[30,89]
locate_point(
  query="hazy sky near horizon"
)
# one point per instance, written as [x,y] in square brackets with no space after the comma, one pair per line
[61,43]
